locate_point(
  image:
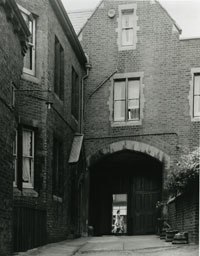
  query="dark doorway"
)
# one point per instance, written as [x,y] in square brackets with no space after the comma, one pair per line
[136,175]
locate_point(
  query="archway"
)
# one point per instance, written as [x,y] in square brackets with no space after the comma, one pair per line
[118,169]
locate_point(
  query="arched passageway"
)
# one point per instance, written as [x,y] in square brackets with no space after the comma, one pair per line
[135,175]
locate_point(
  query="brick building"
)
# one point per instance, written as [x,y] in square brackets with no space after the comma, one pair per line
[141,110]
[49,131]
[14,34]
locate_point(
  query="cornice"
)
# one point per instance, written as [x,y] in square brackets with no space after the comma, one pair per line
[14,16]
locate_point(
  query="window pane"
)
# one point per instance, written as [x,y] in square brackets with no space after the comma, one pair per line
[119,111]
[119,90]
[127,36]
[28,58]
[27,170]
[133,110]
[27,143]
[133,89]
[197,84]
[196,105]
[127,19]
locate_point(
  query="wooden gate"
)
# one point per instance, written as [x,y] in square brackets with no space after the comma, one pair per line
[143,196]
[29,227]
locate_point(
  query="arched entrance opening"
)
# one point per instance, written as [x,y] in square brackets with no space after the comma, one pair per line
[136,176]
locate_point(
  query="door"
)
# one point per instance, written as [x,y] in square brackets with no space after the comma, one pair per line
[143,196]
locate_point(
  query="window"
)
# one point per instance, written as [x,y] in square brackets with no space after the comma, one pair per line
[29,58]
[196,95]
[15,160]
[58,164]
[75,95]
[28,158]
[59,70]
[127,27]
[127,99]
[13,89]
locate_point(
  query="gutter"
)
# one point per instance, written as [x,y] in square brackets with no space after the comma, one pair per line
[88,67]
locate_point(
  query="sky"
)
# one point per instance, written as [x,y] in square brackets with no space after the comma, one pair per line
[186,13]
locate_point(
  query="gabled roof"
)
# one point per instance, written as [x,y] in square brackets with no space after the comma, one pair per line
[68,30]
[170,17]
[79,19]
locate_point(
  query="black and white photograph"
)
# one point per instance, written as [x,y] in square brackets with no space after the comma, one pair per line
[99,127]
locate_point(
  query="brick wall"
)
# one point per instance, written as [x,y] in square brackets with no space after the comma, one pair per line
[184,215]
[156,55]
[57,120]
[11,61]
[166,63]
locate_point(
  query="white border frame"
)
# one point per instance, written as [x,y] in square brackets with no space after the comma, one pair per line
[191,95]
[26,70]
[142,100]
[122,8]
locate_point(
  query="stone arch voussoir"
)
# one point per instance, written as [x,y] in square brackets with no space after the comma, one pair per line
[130,145]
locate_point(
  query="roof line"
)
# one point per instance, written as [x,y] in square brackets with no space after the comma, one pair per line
[170,17]
[190,38]
[68,30]
[12,5]
[90,16]
[81,10]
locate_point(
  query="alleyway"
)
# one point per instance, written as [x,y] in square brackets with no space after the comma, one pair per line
[115,246]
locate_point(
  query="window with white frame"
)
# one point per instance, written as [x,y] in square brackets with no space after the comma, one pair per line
[127,99]
[196,95]
[127,27]
[28,158]
[29,58]
[15,159]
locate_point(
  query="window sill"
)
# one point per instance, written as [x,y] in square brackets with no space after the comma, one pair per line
[195,119]
[130,123]
[28,192]
[127,48]
[30,78]
[57,199]
[16,191]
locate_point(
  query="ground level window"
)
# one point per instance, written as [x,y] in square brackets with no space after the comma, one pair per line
[28,158]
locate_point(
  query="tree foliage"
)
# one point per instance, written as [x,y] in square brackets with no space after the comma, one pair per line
[186,173]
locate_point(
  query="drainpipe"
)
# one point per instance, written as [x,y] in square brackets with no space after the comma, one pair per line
[88,67]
